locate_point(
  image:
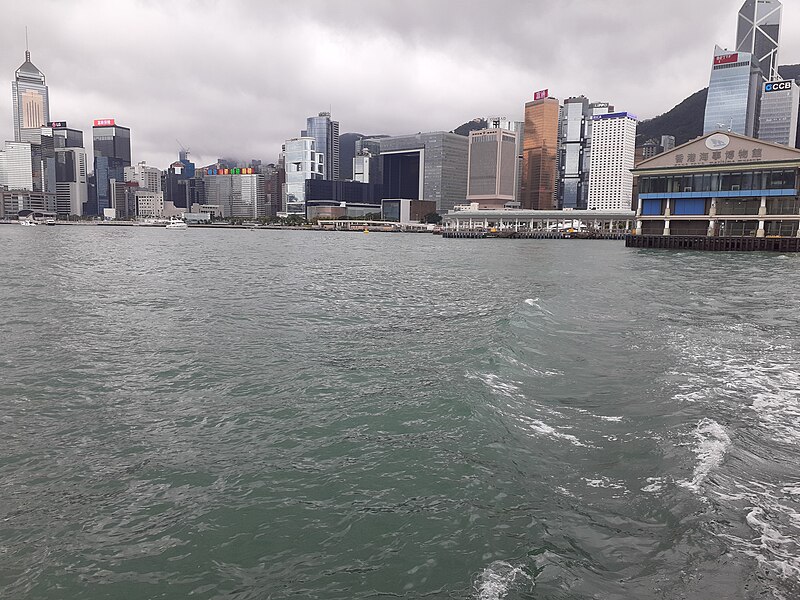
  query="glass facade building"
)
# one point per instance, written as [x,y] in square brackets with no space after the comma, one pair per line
[778,120]
[426,166]
[758,34]
[326,137]
[733,94]
[112,153]
[31,99]
[540,155]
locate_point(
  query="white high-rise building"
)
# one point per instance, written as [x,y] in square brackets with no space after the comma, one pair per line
[758,33]
[31,99]
[301,162]
[148,178]
[361,166]
[611,161]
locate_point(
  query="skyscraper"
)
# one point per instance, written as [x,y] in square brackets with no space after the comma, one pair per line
[758,33]
[302,161]
[613,148]
[326,139]
[30,98]
[540,155]
[112,153]
[733,93]
[778,120]
[492,167]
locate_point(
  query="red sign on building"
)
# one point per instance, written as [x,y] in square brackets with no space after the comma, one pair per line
[541,94]
[726,59]
[104,122]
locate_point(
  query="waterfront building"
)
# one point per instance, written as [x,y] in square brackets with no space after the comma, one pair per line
[733,93]
[123,199]
[758,34]
[612,158]
[149,204]
[301,161]
[238,192]
[339,199]
[517,127]
[31,99]
[361,166]
[540,222]
[112,153]
[406,211]
[274,178]
[539,187]
[720,185]
[31,167]
[71,172]
[325,133]
[492,167]
[778,120]
[425,166]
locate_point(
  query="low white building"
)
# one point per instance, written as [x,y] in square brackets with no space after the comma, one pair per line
[149,205]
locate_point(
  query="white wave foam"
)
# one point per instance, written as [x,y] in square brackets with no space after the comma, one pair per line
[496,580]
[713,443]
[531,301]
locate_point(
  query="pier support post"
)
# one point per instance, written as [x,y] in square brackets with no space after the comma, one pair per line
[666,226]
[760,232]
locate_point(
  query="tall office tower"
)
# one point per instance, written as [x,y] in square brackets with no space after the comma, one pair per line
[64,137]
[492,167]
[778,121]
[302,161]
[613,149]
[112,153]
[326,138]
[148,178]
[540,155]
[733,93]
[426,166]
[572,134]
[758,33]
[519,128]
[31,99]
[72,190]
[667,143]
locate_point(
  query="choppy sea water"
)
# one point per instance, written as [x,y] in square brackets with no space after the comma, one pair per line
[273,415]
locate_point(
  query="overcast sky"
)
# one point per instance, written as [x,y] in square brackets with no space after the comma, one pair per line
[236,78]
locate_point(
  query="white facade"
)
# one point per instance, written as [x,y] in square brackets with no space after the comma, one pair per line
[148,178]
[301,161]
[16,166]
[149,204]
[492,165]
[611,161]
[361,167]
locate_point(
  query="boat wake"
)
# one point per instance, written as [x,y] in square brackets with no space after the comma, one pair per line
[713,443]
[498,579]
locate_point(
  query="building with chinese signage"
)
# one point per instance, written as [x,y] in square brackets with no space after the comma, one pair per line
[720,185]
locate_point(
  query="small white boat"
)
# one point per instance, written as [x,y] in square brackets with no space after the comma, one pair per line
[27,223]
[177,224]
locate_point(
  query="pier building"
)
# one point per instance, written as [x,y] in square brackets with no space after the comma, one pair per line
[721,185]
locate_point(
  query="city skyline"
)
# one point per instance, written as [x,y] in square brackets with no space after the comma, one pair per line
[245,97]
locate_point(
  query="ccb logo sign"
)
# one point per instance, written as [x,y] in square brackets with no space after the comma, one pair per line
[778,86]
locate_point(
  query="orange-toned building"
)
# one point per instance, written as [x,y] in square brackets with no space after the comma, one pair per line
[540,155]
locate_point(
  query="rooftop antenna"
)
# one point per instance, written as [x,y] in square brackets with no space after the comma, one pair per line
[27,49]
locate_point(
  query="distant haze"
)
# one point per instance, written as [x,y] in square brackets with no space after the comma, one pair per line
[236,78]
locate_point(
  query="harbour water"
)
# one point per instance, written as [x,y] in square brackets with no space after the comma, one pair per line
[274,415]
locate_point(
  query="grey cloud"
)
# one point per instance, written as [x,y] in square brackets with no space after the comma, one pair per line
[239,77]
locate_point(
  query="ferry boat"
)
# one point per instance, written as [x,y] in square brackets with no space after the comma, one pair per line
[177,224]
